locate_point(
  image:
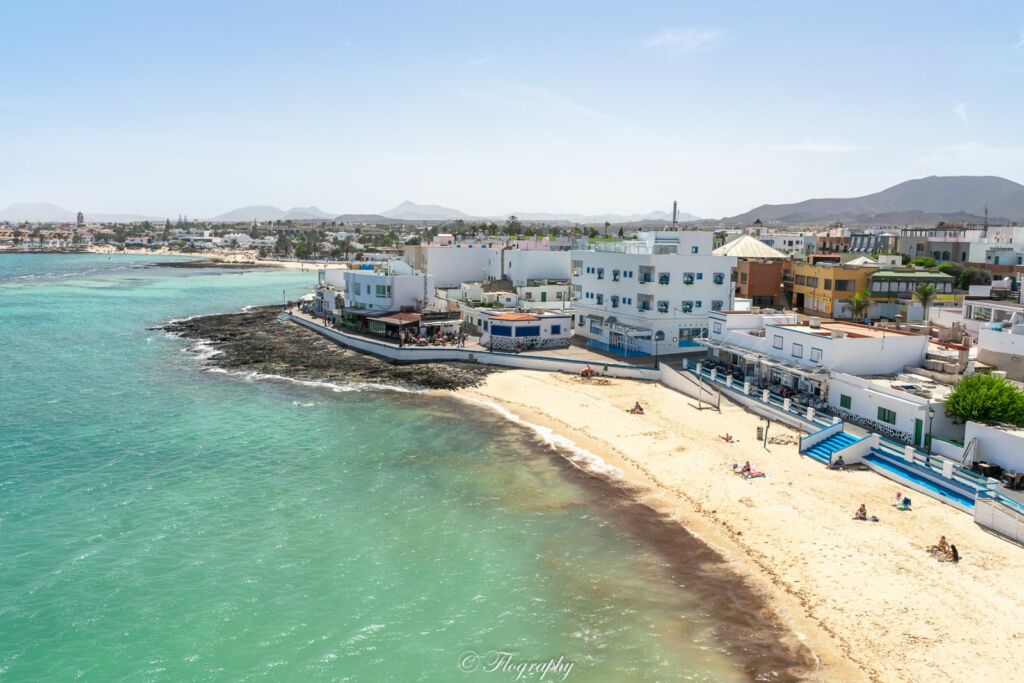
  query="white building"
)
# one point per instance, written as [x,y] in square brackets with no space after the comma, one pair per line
[393,287]
[834,346]
[510,331]
[906,407]
[652,295]
[453,263]
[235,239]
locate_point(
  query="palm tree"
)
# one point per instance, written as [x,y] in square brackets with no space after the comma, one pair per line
[925,293]
[859,303]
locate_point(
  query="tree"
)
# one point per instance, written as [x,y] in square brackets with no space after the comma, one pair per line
[283,246]
[859,303]
[606,226]
[925,293]
[512,225]
[952,269]
[924,262]
[621,233]
[973,276]
[988,399]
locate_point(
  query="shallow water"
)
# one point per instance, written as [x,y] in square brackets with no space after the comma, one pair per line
[161,522]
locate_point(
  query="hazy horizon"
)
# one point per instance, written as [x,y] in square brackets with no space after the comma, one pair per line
[584,108]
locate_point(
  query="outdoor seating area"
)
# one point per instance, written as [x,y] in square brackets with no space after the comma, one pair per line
[799,391]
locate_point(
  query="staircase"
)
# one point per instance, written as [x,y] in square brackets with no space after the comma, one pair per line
[822,452]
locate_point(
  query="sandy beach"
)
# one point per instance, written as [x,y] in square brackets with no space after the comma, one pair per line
[865,597]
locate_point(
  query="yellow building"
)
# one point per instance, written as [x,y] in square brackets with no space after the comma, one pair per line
[825,288]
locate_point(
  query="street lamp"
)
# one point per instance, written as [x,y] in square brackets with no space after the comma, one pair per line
[928,439]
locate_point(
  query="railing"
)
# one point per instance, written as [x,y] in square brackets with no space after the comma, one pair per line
[821,418]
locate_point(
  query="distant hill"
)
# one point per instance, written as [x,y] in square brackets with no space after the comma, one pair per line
[36,212]
[600,219]
[412,211]
[926,199]
[264,212]
[43,212]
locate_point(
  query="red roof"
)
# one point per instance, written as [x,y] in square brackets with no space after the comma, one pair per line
[514,316]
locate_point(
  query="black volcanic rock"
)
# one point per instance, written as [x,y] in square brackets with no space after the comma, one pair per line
[252,341]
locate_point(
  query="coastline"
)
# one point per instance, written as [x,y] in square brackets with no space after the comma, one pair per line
[863,600]
[250,345]
[866,599]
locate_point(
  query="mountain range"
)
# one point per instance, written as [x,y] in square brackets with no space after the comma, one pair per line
[412,211]
[42,212]
[920,201]
[264,212]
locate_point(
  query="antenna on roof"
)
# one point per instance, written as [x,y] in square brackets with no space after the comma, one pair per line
[675,212]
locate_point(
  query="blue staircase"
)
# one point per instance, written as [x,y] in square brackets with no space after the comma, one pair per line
[822,452]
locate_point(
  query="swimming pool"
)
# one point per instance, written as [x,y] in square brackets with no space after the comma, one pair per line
[924,482]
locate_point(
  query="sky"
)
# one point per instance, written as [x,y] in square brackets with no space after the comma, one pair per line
[197,108]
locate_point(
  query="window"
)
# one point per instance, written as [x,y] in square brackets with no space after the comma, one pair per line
[828,284]
[846,285]
[845,401]
[700,276]
[798,350]
[383,291]
[687,278]
[663,278]
[487,324]
[815,355]
[687,306]
[697,303]
[615,301]
[627,300]
[501,330]
[659,336]
[693,250]
[615,276]
[717,327]
[812,282]
[600,273]
[581,320]
[716,305]
[777,342]
[528,331]
[743,278]
[662,307]
[556,329]
[719,278]
[886,415]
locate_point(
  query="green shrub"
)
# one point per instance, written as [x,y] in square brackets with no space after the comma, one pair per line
[988,399]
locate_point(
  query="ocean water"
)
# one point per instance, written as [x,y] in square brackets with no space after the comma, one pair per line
[160,522]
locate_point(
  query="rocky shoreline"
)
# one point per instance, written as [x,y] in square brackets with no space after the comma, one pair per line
[252,341]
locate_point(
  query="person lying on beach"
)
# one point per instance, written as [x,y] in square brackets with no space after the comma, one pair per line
[745,470]
[754,474]
[637,409]
[902,502]
[727,437]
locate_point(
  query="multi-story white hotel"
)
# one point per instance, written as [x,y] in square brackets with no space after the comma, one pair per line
[650,295]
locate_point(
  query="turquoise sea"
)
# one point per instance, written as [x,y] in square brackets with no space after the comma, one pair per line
[160,522]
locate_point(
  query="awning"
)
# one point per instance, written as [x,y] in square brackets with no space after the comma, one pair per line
[440,323]
[599,319]
[400,319]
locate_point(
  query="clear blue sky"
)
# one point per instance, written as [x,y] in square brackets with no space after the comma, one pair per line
[199,107]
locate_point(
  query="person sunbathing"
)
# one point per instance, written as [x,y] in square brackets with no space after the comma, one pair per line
[745,470]
[862,513]
[637,409]
[941,548]
[727,437]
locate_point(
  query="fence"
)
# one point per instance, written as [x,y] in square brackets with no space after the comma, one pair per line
[417,354]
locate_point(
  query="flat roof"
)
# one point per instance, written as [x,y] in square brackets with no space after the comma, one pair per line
[853,330]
